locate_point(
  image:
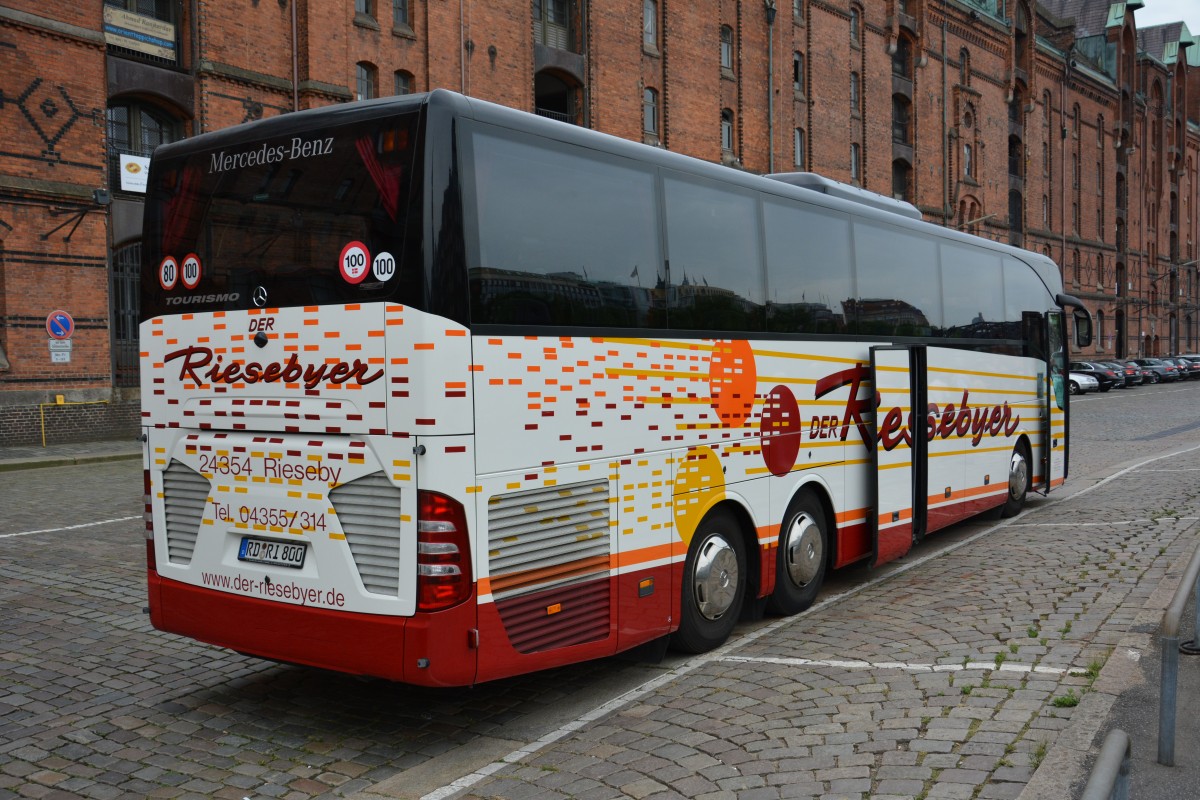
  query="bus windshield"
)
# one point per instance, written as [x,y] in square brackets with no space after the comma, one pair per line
[310,218]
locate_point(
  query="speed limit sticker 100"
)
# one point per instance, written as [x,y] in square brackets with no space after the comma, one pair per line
[355,262]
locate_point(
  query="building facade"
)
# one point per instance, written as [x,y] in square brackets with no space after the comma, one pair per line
[1058,126]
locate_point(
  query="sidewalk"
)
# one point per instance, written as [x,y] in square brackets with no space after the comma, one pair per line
[62,455]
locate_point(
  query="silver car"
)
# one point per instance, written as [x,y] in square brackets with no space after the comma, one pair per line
[1082,383]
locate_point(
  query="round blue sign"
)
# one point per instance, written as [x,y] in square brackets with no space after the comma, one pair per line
[60,325]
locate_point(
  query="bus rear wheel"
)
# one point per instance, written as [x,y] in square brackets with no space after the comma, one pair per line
[801,556]
[713,584]
[1019,466]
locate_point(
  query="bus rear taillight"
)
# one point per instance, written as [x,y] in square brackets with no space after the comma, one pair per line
[148,515]
[443,552]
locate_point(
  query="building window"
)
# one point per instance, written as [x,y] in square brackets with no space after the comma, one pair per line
[126,294]
[902,58]
[136,130]
[400,16]
[901,179]
[155,9]
[650,112]
[365,7]
[798,72]
[968,160]
[727,130]
[854,36]
[403,82]
[365,85]
[901,133]
[552,23]
[726,48]
[1045,211]
[798,10]
[855,162]
[854,94]
[798,148]
[650,24]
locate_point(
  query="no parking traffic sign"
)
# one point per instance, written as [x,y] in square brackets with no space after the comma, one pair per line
[59,324]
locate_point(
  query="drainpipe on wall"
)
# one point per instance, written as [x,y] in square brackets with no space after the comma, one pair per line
[295,60]
[771,10]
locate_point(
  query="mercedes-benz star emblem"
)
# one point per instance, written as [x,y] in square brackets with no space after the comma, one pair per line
[259,296]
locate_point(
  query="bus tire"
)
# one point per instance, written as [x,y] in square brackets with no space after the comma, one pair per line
[714,584]
[802,555]
[1020,467]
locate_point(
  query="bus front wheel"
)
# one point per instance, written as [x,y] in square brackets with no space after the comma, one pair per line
[713,584]
[1019,466]
[801,559]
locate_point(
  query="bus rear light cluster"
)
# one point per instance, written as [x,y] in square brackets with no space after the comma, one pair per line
[148,516]
[443,552]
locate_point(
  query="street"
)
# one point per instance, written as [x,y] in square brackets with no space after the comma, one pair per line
[949,674]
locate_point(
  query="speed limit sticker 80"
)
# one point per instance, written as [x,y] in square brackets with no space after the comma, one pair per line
[355,262]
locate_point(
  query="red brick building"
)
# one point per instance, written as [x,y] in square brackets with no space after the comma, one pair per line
[1059,126]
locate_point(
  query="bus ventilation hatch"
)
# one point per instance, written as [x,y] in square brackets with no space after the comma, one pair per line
[369,512]
[185,495]
[548,558]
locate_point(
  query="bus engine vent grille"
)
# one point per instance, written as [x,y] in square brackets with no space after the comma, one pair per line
[369,512]
[185,495]
[548,558]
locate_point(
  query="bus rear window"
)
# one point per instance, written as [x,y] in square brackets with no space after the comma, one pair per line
[315,217]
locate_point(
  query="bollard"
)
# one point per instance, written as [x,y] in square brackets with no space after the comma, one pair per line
[1166,700]
[1170,659]
[1110,776]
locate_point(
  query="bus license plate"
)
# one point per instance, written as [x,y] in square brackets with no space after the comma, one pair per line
[265,551]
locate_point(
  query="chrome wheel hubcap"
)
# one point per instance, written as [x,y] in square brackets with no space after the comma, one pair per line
[717,579]
[803,550]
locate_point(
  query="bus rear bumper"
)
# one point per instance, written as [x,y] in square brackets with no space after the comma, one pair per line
[404,649]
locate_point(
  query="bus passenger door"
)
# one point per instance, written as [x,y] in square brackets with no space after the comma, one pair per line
[1054,406]
[900,454]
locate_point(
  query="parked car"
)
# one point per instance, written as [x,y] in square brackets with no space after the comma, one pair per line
[1163,372]
[1188,369]
[1106,376]
[1132,372]
[1082,383]
[1147,375]
[1194,371]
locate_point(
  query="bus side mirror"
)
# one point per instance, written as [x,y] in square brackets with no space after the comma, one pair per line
[1083,327]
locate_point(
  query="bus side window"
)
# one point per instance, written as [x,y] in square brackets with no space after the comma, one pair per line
[808,267]
[567,236]
[716,280]
[899,283]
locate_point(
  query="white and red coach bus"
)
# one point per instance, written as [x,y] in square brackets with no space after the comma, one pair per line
[443,392]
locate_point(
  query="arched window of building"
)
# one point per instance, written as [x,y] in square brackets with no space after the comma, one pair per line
[798,72]
[556,96]
[964,67]
[902,58]
[855,162]
[726,48]
[366,81]
[855,23]
[798,147]
[650,114]
[727,130]
[1016,157]
[136,129]
[402,82]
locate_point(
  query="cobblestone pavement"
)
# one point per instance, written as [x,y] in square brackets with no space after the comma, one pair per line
[953,678]
[950,681]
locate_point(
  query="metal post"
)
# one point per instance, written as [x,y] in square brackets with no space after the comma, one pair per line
[1110,776]
[1166,700]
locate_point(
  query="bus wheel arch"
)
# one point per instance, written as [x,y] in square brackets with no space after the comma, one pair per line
[717,575]
[1020,477]
[805,551]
